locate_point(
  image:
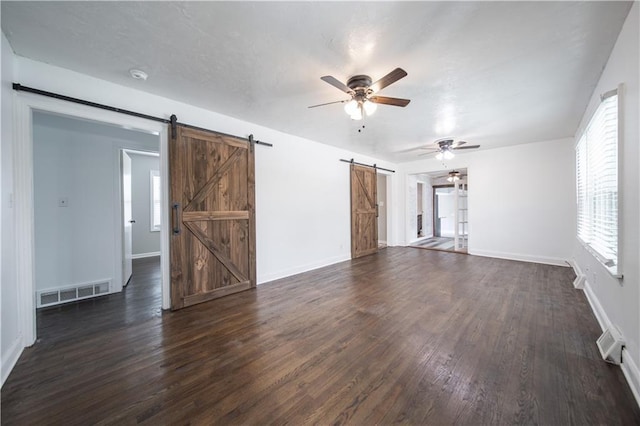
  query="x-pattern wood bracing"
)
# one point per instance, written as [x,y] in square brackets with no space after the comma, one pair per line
[210,185]
[365,191]
[216,251]
[213,177]
[198,232]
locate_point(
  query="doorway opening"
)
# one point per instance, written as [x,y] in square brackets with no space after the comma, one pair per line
[141,206]
[446,212]
[80,275]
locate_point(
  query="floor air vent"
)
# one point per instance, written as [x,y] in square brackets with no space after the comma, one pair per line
[610,345]
[69,294]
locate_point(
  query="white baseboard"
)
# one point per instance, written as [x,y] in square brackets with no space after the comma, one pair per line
[580,277]
[596,307]
[628,366]
[10,357]
[142,255]
[556,261]
[302,268]
[631,373]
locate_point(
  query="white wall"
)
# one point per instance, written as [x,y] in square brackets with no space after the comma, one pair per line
[302,190]
[620,300]
[77,244]
[144,240]
[521,200]
[10,329]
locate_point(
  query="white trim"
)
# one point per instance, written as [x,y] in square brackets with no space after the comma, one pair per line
[11,358]
[24,217]
[521,257]
[628,366]
[596,307]
[25,104]
[631,373]
[304,268]
[143,255]
[141,152]
[580,277]
[152,174]
[165,264]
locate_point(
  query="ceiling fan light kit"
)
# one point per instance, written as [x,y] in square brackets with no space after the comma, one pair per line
[444,148]
[454,176]
[445,154]
[361,90]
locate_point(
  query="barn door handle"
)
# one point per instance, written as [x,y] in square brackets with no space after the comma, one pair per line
[377,210]
[176,218]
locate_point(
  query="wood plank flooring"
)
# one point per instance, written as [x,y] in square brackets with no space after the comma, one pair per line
[403,336]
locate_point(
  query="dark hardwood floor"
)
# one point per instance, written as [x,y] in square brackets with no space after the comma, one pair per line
[403,336]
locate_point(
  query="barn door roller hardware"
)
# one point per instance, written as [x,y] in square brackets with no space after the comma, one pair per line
[374,166]
[173,121]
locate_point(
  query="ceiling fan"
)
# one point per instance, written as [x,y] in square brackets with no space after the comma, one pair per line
[361,89]
[445,147]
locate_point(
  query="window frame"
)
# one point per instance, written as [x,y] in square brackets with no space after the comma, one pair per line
[152,204]
[615,267]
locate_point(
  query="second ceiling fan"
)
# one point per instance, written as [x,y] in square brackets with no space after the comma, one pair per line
[361,89]
[444,148]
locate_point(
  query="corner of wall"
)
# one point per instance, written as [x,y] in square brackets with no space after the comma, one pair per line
[10,357]
[578,283]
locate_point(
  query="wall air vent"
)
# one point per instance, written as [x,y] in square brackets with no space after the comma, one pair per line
[52,297]
[610,345]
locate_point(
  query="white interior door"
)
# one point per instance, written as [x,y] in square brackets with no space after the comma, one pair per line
[127,221]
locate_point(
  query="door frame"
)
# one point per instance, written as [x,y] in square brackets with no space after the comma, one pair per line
[120,167]
[24,106]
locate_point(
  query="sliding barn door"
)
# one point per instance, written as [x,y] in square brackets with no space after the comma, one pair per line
[213,216]
[364,222]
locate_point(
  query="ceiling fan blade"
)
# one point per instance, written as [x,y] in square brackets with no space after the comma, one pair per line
[390,101]
[458,143]
[388,79]
[336,83]
[467,147]
[329,103]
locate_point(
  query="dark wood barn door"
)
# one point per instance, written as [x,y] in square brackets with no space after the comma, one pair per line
[212,187]
[364,223]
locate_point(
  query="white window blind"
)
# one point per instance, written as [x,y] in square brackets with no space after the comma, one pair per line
[597,182]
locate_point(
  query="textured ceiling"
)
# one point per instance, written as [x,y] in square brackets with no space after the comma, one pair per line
[491,73]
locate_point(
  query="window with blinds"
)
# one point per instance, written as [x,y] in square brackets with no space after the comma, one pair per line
[155,201]
[597,182]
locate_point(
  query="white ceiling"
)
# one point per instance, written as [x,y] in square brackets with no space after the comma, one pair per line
[491,73]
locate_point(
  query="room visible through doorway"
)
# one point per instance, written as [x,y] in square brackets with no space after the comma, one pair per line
[79,233]
[442,222]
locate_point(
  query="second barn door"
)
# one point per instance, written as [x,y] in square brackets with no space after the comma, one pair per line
[364,209]
[212,187]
